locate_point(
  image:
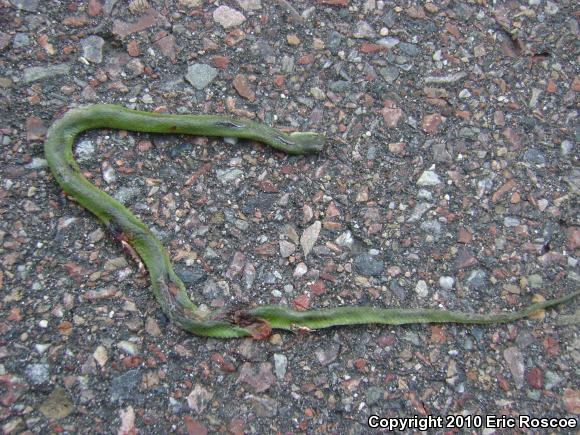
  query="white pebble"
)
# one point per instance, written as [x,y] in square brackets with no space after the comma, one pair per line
[446,282]
[421,289]
[300,270]
[429,178]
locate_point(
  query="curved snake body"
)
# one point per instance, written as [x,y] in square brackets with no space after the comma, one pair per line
[165,284]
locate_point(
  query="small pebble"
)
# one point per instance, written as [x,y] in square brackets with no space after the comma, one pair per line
[428,178]
[446,282]
[38,374]
[228,17]
[422,289]
[280,365]
[200,75]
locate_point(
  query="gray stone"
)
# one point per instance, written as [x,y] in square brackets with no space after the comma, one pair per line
[389,42]
[286,248]
[477,279]
[525,340]
[339,86]
[398,289]
[287,64]
[368,265]
[462,11]
[328,354]
[412,337]
[428,178]
[345,240]
[190,275]
[573,180]
[38,374]
[84,150]
[389,73]
[262,202]
[447,79]
[573,276]
[551,8]
[363,30]
[446,282]
[333,41]
[4,40]
[317,93]
[249,275]
[440,153]
[250,5]
[374,394]
[551,380]
[37,163]
[390,18]
[36,73]
[200,75]
[125,194]
[409,49]
[566,147]
[226,176]
[432,228]
[26,5]
[509,221]
[535,281]
[534,157]
[211,290]
[268,278]
[125,386]
[484,186]
[21,40]
[280,365]
[425,195]
[187,3]
[421,289]
[264,406]
[419,210]
[468,132]
[93,48]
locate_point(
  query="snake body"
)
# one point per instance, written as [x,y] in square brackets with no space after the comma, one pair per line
[167,287]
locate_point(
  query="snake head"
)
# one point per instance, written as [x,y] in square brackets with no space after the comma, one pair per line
[307,142]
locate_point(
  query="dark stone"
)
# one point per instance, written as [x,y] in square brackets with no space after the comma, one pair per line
[26,5]
[409,49]
[190,275]
[368,265]
[534,157]
[477,280]
[389,73]
[179,149]
[374,394]
[262,202]
[125,386]
[333,41]
[339,86]
[398,290]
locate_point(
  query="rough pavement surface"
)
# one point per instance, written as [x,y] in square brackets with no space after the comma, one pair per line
[450,180]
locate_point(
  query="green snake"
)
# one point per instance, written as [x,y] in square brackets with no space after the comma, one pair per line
[167,287]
